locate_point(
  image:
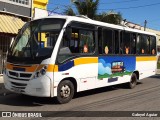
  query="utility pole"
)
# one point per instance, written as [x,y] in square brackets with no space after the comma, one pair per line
[145,23]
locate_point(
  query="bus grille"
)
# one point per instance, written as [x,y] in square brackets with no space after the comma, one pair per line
[18,87]
[19,76]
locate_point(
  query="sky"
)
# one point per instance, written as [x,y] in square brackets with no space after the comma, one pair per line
[136,11]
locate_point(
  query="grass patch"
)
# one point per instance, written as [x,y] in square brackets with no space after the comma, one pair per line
[114,75]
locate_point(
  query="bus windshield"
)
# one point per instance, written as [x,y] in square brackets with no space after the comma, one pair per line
[35,41]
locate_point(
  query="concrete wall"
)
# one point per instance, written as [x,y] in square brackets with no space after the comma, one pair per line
[41,4]
[15,8]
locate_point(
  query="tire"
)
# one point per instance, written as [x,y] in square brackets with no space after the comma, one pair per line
[65,92]
[133,82]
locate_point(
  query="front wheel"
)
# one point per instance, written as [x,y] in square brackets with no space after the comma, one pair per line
[133,82]
[65,91]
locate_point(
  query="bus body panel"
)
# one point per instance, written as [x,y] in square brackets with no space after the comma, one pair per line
[88,76]
[89,73]
[146,65]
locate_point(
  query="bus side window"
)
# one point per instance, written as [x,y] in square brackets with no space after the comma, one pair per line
[87,42]
[116,42]
[107,41]
[144,44]
[133,43]
[126,43]
[100,44]
[81,41]
[153,45]
[138,47]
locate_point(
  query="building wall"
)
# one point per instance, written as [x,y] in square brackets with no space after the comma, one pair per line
[17,7]
[41,4]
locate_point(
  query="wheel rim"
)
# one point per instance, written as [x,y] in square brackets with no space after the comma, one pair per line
[65,91]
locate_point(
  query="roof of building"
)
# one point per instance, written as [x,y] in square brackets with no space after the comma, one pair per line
[10,24]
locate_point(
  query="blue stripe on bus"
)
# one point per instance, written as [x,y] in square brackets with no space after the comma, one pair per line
[66,66]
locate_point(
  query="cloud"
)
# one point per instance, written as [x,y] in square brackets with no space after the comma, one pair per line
[102,70]
[104,63]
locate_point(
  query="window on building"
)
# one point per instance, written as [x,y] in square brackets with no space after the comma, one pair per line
[24,2]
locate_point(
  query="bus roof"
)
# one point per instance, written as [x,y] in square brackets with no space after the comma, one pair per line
[85,19]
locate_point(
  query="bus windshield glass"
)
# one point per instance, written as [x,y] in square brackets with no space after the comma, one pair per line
[36,40]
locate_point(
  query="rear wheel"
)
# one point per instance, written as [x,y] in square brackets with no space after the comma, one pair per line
[133,82]
[65,91]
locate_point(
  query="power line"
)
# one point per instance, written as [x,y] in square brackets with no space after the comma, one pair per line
[120,2]
[132,7]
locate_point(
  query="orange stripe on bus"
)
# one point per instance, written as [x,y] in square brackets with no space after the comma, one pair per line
[40,67]
[146,58]
[31,69]
[52,68]
[86,60]
[27,69]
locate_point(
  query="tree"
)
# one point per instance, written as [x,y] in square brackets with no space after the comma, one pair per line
[89,8]
[69,11]
[84,7]
[110,17]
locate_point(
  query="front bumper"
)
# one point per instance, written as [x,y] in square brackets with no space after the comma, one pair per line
[40,87]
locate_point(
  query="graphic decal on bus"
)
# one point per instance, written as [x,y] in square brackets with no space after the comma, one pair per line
[110,67]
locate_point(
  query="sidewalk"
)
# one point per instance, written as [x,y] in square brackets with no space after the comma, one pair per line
[1,79]
[158,71]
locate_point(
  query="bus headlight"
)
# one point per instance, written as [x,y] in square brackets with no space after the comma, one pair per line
[40,72]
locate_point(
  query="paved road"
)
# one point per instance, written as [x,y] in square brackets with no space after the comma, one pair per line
[145,97]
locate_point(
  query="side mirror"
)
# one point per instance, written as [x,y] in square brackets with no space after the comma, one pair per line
[19,30]
[68,33]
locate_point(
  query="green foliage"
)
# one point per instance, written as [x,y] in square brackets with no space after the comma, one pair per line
[114,75]
[113,18]
[89,8]
[69,11]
